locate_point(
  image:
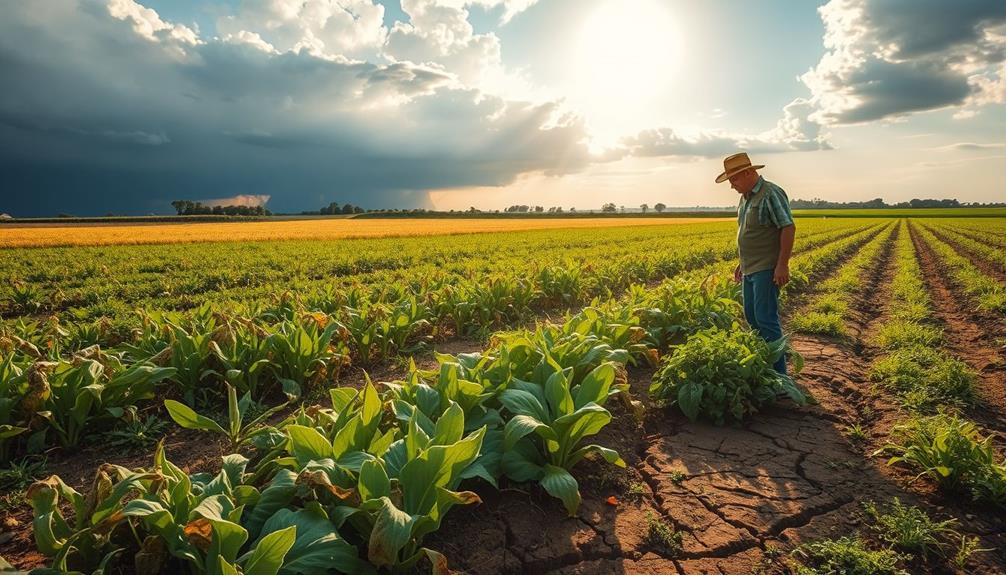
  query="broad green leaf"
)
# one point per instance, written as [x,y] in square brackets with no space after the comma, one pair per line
[610,455]
[275,496]
[392,531]
[438,466]
[228,537]
[520,426]
[522,463]
[521,402]
[595,385]
[689,399]
[557,394]
[307,444]
[268,555]
[318,548]
[189,419]
[451,425]
[373,482]
[584,422]
[225,567]
[559,483]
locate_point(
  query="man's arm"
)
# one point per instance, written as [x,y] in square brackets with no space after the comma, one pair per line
[786,236]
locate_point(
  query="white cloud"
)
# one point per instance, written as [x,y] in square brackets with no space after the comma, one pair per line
[148,24]
[350,28]
[441,34]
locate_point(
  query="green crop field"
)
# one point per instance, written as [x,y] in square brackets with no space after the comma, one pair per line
[905,213]
[375,405]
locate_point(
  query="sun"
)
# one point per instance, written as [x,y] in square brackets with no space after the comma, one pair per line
[624,62]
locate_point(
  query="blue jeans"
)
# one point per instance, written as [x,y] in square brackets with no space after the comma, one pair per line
[761,309]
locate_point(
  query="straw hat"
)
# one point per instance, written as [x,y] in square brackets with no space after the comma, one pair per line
[734,165]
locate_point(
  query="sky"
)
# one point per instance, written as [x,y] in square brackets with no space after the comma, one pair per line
[121,106]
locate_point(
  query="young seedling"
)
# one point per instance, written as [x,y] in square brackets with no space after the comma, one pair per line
[237,431]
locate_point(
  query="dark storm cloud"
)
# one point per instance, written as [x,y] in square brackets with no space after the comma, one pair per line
[889,58]
[889,89]
[124,114]
[920,27]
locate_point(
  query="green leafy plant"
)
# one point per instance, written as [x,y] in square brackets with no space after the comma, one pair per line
[169,522]
[723,374]
[549,421]
[953,452]
[966,550]
[238,431]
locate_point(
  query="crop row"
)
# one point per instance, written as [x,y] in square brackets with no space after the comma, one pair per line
[986,291]
[985,250]
[88,283]
[186,275]
[923,377]
[827,311]
[933,385]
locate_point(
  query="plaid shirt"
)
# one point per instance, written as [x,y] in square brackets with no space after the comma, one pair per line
[774,209]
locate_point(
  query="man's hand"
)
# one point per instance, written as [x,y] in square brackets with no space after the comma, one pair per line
[781,275]
[737,274]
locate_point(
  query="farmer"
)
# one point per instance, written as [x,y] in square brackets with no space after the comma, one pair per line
[765,232]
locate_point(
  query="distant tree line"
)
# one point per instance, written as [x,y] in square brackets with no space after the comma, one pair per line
[334,209]
[878,203]
[188,208]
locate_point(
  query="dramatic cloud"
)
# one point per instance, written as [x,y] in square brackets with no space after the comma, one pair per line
[109,107]
[888,58]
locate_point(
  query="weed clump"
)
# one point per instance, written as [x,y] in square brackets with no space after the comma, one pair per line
[724,374]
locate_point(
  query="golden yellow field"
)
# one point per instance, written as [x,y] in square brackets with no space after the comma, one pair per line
[39,235]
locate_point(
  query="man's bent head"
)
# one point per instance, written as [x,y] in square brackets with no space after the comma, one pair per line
[740,172]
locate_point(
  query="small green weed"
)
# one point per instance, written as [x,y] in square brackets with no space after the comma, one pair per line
[846,556]
[908,527]
[662,536]
[636,490]
[136,435]
[857,433]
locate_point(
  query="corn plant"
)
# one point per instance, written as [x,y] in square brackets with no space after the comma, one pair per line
[189,352]
[561,285]
[541,441]
[74,396]
[404,321]
[244,356]
[306,351]
[427,470]
[679,308]
[13,384]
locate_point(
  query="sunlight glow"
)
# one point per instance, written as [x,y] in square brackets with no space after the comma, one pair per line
[625,59]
